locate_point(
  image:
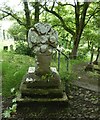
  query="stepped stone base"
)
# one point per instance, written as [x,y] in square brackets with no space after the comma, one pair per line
[31,101]
[41,89]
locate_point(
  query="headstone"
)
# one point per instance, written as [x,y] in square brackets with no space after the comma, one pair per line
[42,82]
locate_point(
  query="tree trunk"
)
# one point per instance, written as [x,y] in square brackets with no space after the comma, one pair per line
[92,53]
[36,17]
[90,66]
[80,24]
[97,57]
[75,47]
[27,16]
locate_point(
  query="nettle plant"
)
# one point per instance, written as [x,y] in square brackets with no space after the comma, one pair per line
[13,108]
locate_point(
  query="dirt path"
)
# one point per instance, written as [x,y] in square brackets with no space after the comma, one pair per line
[88,80]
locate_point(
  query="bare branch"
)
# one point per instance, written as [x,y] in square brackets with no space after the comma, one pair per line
[53,5]
[3,17]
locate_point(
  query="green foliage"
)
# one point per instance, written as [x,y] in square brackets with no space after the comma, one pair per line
[82,52]
[66,18]
[17,31]
[12,109]
[67,13]
[91,31]
[23,48]
[65,75]
[14,68]
[47,76]
[7,113]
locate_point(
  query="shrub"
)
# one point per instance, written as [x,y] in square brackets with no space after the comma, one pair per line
[82,53]
[22,48]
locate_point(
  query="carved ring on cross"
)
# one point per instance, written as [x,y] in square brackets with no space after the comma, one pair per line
[42,38]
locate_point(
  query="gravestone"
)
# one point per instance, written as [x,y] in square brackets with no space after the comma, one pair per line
[42,82]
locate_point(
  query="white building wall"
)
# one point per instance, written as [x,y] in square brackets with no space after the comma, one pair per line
[5,38]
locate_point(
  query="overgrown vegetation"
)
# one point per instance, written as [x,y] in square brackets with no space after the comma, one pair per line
[23,48]
[11,110]
[14,67]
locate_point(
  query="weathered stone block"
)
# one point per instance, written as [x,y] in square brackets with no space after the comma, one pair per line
[36,86]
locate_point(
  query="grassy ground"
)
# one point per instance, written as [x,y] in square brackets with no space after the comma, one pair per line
[13,68]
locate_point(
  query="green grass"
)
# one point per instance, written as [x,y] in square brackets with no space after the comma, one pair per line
[15,66]
[65,75]
[13,69]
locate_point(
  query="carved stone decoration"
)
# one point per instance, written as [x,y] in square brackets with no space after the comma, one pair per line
[42,28]
[43,39]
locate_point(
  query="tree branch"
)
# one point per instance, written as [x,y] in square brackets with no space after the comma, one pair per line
[60,18]
[59,3]
[53,5]
[94,12]
[3,17]
[77,14]
[14,16]
[27,13]
[83,15]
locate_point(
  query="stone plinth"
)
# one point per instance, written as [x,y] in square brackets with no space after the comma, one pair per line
[36,88]
[43,101]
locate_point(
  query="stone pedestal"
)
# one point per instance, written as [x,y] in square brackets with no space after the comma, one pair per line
[43,64]
[41,89]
